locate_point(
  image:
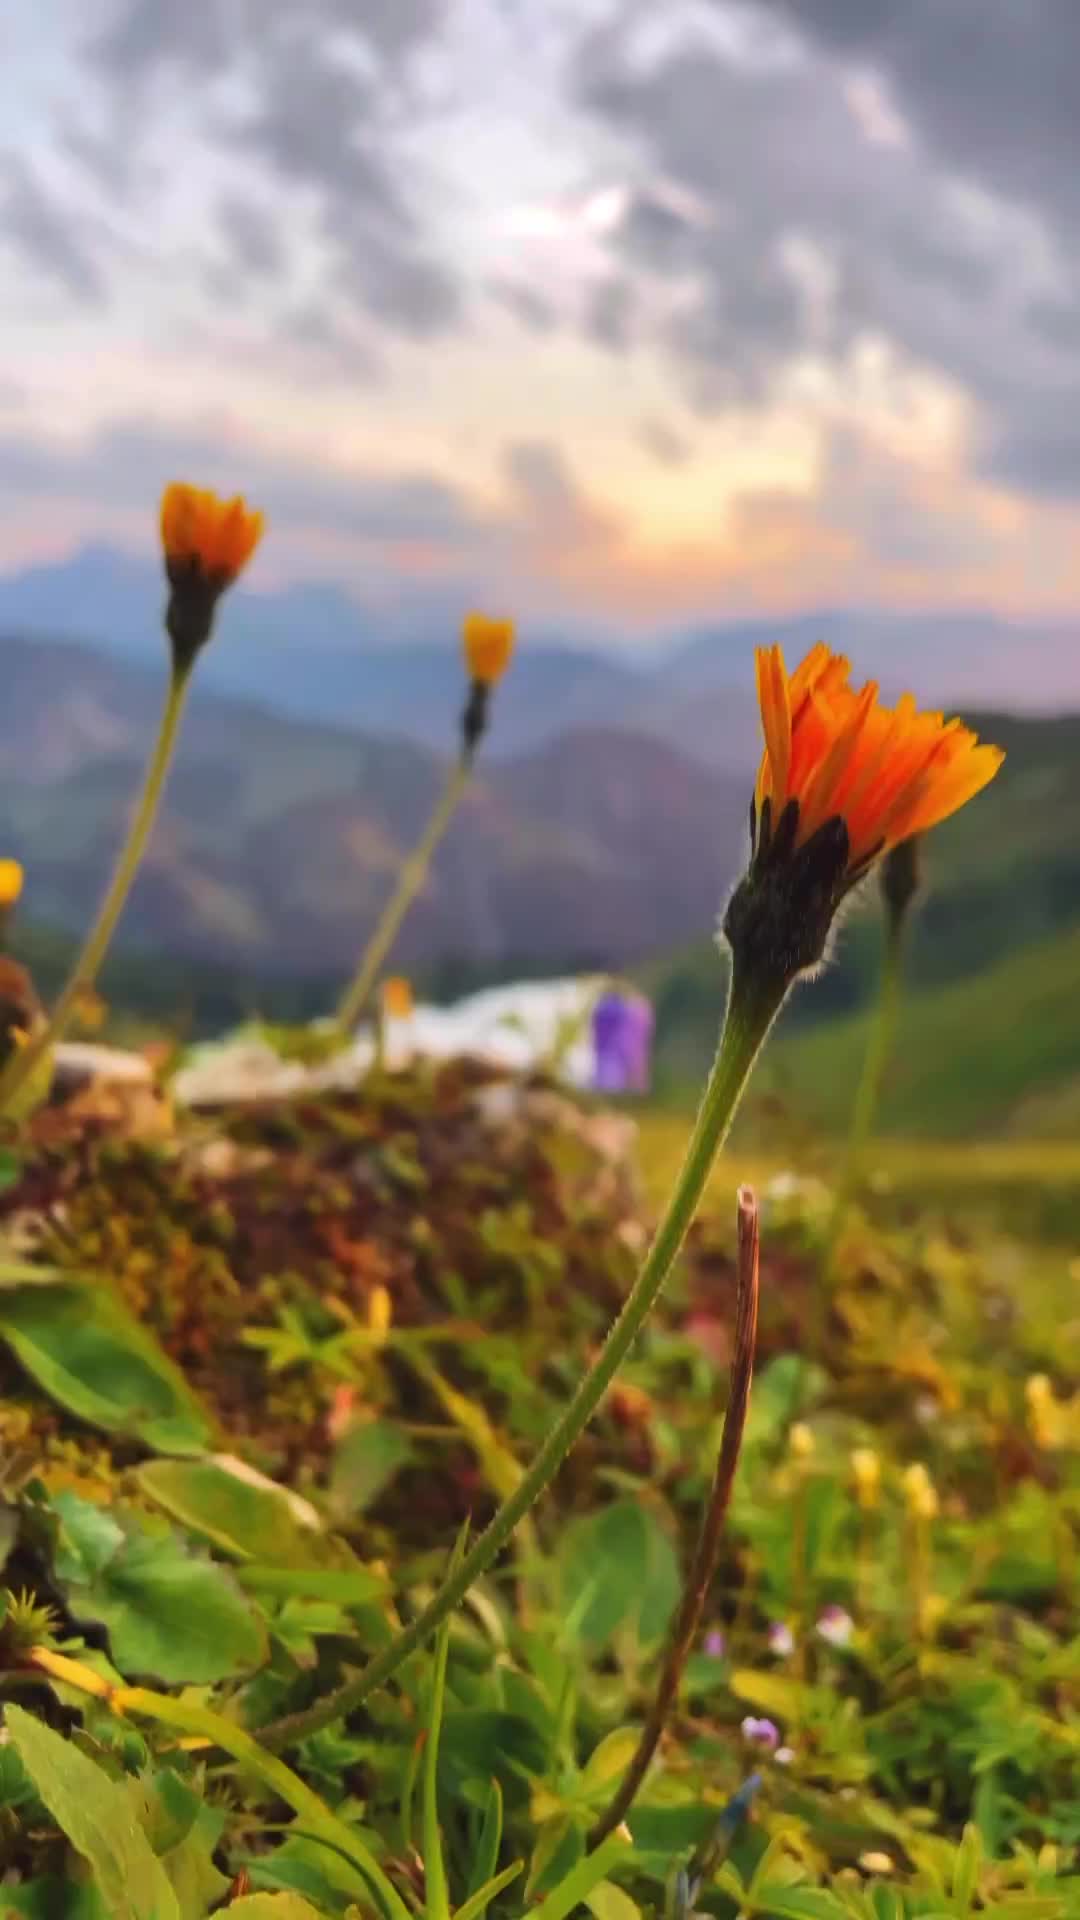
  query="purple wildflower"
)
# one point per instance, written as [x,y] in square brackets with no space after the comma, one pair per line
[622,1029]
[715,1644]
[836,1626]
[760,1733]
[781,1639]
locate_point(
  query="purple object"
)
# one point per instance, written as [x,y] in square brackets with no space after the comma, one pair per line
[715,1645]
[622,1031]
[761,1733]
[781,1639]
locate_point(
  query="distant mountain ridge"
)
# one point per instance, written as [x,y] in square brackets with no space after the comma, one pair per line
[316,653]
[280,838]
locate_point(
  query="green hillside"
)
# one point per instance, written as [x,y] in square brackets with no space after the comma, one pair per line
[993,969]
[994,1053]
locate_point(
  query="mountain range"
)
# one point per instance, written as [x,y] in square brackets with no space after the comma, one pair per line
[316,653]
[280,838]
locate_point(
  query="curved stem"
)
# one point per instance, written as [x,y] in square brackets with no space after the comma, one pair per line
[410,880]
[707,1551]
[86,968]
[749,1017]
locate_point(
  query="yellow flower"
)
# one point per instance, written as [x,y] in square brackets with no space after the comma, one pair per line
[488,645]
[11,882]
[920,1492]
[801,1440]
[380,1314]
[837,754]
[397,998]
[207,542]
[866,1474]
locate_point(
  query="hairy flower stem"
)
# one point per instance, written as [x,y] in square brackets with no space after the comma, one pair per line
[85,971]
[751,1011]
[707,1552]
[410,880]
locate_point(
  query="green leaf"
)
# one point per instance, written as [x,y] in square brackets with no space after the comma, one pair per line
[478,1903]
[617,1566]
[486,1852]
[89,1537]
[609,1902]
[798,1903]
[97,1817]
[242,1513]
[365,1463]
[608,1761]
[171,1615]
[774,1693]
[966,1865]
[343,1587]
[50,1899]
[580,1881]
[183,1832]
[274,1906]
[89,1354]
[437,1888]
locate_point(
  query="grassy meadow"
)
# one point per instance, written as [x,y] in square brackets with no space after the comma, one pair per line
[389,1526]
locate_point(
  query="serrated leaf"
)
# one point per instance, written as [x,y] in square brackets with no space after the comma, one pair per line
[87,1352]
[171,1615]
[97,1818]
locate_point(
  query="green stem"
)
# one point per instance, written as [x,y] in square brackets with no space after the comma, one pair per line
[410,880]
[749,1017]
[85,971]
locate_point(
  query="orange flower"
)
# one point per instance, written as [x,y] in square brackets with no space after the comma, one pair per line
[207,542]
[839,755]
[488,645]
[199,530]
[11,882]
[397,998]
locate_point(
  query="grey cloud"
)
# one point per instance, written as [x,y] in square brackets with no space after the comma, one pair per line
[48,235]
[310,109]
[778,157]
[657,234]
[146,36]
[127,464]
[611,312]
[251,236]
[992,84]
[527,306]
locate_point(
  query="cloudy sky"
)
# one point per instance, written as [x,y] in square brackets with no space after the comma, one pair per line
[630,313]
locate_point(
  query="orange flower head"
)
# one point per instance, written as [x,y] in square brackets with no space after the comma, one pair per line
[488,645]
[11,882]
[397,997]
[886,773]
[842,780]
[207,542]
